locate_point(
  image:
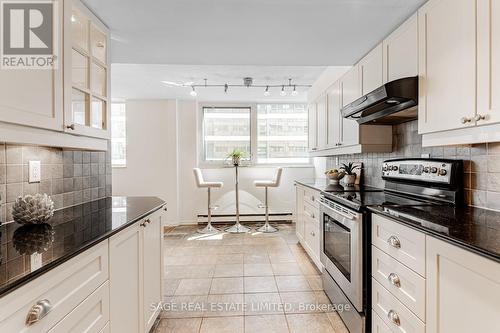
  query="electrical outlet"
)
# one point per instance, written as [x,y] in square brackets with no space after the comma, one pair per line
[426,156]
[35,172]
[336,161]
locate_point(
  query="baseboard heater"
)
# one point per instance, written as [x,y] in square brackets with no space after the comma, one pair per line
[247,218]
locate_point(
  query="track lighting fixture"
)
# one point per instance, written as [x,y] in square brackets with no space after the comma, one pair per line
[193,92]
[247,83]
[282,92]
[266,92]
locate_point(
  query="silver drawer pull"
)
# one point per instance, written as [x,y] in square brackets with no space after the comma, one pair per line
[394,280]
[394,317]
[394,242]
[38,311]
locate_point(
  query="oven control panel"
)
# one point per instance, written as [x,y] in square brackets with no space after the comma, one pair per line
[418,170]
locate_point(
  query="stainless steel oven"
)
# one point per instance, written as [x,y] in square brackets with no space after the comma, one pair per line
[342,256]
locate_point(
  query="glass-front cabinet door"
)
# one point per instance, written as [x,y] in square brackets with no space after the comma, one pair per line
[86,97]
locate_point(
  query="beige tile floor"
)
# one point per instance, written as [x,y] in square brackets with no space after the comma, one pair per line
[245,283]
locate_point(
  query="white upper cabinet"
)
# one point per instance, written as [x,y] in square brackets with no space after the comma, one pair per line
[447,65]
[370,69]
[400,51]
[312,126]
[86,73]
[334,116]
[33,97]
[350,86]
[322,130]
[488,65]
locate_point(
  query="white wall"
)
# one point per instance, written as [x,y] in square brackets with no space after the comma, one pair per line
[167,132]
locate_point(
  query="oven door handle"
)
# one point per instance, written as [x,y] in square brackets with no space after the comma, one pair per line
[347,216]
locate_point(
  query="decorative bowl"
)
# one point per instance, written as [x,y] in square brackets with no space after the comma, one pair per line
[33,209]
[335,177]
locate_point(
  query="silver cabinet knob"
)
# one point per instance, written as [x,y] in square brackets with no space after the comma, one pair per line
[479,117]
[165,208]
[394,317]
[313,234]
[71,127]
[394,280]
[38,311]
[394,242]
[465,120]
[145,223]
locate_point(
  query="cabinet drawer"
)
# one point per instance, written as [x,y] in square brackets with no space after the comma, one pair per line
[311,212]
[90,316]
[311,197]
[312,236]
[402,282]
[402,243]
[378,325]
[64,287]
[394,314]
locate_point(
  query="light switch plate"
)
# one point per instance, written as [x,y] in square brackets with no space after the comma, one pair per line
[35,172]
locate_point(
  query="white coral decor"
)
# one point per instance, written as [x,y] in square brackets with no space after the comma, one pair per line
[33,209]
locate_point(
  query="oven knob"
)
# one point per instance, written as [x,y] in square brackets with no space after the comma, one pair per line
[434,170]
[442,172]
[426,170]
[395,168]
[391,168]
[384,168]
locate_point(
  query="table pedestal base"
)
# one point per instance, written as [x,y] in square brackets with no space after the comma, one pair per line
[237,229]
[267,228]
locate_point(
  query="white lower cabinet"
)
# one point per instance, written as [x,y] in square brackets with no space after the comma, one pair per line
[108,288]
[92,315]
[378,325]
[135,275]
[463,290]
[308,222]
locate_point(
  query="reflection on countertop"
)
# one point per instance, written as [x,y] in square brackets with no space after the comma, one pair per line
[26,251]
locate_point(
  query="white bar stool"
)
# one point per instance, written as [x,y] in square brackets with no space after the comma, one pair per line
[201,183]
[266,184]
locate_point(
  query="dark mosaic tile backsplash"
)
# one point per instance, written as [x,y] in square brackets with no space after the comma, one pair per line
[70,177]
[482,164]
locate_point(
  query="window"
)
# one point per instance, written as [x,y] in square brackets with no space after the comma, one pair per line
[282,135]
[267,133]
[225,129]
[118,135]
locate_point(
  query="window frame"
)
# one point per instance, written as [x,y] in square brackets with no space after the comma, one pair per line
[253,136]
[114,165]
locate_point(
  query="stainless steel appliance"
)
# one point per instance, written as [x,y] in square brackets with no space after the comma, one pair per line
[393,103]
[345,225]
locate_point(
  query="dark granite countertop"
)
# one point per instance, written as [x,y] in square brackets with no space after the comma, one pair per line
[26,252]
[474,229]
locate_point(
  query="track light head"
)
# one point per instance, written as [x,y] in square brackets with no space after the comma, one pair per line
[193,92]
[295,92]
[267,92]
[282,92]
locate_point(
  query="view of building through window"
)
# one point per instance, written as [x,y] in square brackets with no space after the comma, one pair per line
[280,136]
[225,129]
[118,135]
[282,133]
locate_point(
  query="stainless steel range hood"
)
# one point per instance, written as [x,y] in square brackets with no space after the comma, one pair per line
[393,103]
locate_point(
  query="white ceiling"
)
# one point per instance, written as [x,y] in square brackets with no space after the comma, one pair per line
[248,32]
[142,81]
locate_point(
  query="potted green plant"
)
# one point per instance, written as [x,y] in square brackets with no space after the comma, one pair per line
[350,174]
[235,156]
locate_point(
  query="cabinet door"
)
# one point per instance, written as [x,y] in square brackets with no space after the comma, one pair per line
[126,280]
[299,211]
[463,290]
[350,90]
[152,267]
[312,127]
[321,122]
[87,77]
[34,97]
[400,51]
[488,62]
[350,86]
[334,115]
[447,65]
[370,70]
